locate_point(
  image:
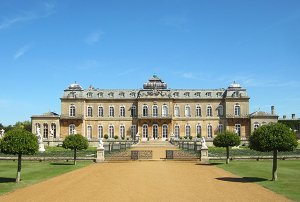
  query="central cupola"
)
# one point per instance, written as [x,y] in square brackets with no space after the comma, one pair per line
[155,82]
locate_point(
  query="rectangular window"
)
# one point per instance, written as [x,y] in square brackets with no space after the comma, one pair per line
[187,130]
[220,110]
[133,111]
[122,111]
[208,94]
[198,94]
[72,129]
[100,94]
[111,132]
[111,111]
[132,94]
[187,111]
[155,110]
[165,131]
[198,130]
[209,110]
[100,111]
[176,111]
[187,94]
[45,130]
[237,110]
[165,110]
[176,94]
[122,94]
[198,110]
[53,129]
[145,110]
[90,111]
[209,131]
[238,129]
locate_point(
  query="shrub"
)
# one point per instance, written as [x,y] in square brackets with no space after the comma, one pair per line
[105,136]
[123,138]
[190,137]
[181,138]
[127,138]
[116,137]
[185,137]
[199,136]
[75,142]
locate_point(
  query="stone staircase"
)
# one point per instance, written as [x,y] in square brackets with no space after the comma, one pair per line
[152,144]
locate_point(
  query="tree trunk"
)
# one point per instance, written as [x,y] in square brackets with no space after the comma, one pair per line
[274,171]
[19,168]
[227,151]
[74,156]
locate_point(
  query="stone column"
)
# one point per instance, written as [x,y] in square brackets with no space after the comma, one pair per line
[100,155]
[204,155]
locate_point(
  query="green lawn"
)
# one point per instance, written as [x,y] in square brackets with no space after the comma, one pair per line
[260,172]
[32,172]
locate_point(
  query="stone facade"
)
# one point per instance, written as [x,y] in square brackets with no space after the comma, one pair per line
[154,112]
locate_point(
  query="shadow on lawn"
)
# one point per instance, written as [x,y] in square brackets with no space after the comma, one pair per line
[209,164]
[7,179]
[244,179]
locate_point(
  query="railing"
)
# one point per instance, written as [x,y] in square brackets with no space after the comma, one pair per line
[78,116]
[154,116]
[237,116]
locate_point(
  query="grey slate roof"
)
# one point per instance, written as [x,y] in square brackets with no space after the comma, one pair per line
[262,114]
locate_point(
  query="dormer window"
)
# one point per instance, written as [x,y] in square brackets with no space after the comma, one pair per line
[187,94]
[90,94]
[219,94]
[111,94]
[237,94]
[198,94]
[133,94]
[72,95]
[122,94]
[100,94]
[176,94]
[208,94]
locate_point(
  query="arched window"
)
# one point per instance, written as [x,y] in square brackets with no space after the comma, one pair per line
[176,111]
[122,111]
[100,131]
[198,110]
[111,132]
[155,131]
[53,129]
[155,110]
[187,110]
[209,131]
[89,132]
[72,110]
[45,130]
[220,128]
[220,110]
[122,131]
[188,130]
[145,110]
[165,131]
[177,131]
[72,129]
[198,129]
[145,131]
[209,110]
[164,110]
[256,125]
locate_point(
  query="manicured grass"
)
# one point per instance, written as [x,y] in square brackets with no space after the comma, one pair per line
[63,149]
[260,172]
[32,172]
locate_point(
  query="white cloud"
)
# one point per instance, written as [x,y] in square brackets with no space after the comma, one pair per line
[43,12]
[94,37]
[21,51]
[187,75]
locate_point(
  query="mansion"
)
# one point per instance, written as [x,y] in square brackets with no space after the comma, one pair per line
[153,112]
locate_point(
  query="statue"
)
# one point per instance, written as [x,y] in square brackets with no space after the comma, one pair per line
[2,133]
[203,143]
[39,136]
[100,144]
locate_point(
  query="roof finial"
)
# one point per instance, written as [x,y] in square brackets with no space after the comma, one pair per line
[75,82]
[154,76]
[233,81]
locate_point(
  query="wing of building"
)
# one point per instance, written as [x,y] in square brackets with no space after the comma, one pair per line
[153,112]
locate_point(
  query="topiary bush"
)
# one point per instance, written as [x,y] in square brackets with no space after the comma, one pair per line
[123,138]
[116,137]
[199,136]
[75,142]
[190,137]
[185,137]
[105,136]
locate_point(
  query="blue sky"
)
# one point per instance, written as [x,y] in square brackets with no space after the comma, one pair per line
[46,45]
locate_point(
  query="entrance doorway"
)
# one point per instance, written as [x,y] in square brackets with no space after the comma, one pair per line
[155,131]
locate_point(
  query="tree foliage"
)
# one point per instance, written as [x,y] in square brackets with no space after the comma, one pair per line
[75,142]
[273,137]
[227,139]
[19,141]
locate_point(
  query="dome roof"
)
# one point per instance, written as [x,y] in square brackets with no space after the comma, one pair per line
[155,82]
[75,86]
[234,85]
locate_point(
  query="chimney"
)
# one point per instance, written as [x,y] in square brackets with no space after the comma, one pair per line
[293,116]
[272,109]
[284,116]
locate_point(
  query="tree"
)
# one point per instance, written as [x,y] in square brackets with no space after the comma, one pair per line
[75,142]
[227,139]
[26,125]
[19,141]
[273,137]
